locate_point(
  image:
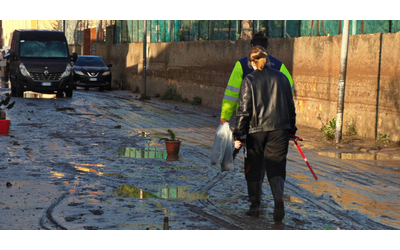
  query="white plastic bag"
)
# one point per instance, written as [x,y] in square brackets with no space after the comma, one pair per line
[223,147]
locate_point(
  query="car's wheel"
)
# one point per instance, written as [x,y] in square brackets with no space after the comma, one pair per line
[68,93]
[101,89]
[6,77]
[60,93]
[19,92]
[13,89]
[108,87]
[86,88]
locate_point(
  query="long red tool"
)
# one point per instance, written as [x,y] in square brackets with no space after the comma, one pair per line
[295,138]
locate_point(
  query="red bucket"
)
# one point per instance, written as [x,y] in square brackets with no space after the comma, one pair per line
[4,126]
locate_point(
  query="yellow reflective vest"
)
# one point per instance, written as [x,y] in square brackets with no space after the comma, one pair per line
[241,69]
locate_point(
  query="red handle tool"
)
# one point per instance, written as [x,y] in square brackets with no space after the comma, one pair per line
[295,138]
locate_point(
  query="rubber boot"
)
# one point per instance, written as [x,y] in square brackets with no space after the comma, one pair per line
[254,190]
[261,182]
[262,178]
[277,186]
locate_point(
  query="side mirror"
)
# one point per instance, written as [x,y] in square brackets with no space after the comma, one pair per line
[74,57]
[109,65]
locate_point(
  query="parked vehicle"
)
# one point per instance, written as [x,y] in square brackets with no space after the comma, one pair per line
[92,71]
[3,64]
[39,61]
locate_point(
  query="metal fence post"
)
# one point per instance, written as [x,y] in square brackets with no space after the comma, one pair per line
[144,55]
[342,80]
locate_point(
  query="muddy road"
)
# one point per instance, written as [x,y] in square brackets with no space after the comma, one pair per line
[93,161]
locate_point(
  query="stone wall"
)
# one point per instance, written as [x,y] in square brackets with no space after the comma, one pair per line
[202,68]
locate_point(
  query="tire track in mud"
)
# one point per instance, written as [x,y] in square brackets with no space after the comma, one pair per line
[47,219]
[348,174]
[151,115]
[204,208]
[207,209]
[336,211]
[203,205]
[155,119]
[216,219]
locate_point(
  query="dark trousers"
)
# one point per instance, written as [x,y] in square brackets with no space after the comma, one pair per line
[266,150]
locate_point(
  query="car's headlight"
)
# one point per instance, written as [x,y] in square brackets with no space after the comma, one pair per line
[24,71]
[78,72]
[67,71]
[106,73]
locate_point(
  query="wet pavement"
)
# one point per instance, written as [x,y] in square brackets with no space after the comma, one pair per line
[94,161]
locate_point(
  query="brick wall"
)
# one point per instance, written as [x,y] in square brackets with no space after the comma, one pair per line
[202,68]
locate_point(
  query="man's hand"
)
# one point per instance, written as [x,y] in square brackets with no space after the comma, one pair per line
[238,144]
[222,121]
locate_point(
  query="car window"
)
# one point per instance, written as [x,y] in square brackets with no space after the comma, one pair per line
[90,61]
[43,49]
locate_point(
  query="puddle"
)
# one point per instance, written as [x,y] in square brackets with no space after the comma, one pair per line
[84,168]
[31,94]
[147,152]
[57,175]
[356,156]
[173,193]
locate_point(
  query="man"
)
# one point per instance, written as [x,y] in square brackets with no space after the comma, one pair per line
[266,116]
[241,69]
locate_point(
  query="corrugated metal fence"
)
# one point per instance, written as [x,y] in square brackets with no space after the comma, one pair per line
[130,31]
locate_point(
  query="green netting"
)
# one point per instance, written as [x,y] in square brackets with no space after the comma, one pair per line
[260,25]
[395,27]
[355,27]
[161,33]
[167,29]
[153,31]
[376,26]
[292,28]
[192,30]
[203,30]
[117,34]
[330,27]
[275,28]
[176,31]
[184,34]
[130,30]
[221,30]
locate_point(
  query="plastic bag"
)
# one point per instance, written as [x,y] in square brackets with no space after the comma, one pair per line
[223,147]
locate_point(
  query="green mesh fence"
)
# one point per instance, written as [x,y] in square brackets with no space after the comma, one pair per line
[193,30]
[395,27]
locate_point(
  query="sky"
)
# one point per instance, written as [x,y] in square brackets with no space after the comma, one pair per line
[201,10]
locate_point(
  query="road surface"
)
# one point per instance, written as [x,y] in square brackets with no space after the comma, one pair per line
[94,161]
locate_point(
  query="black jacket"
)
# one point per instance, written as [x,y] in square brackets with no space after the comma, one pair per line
[265,104]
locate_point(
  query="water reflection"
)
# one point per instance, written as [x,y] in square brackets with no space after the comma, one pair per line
[88,170]
[57,175]
[146,153]
[356,156]
[172,157]
[31,94]
[164,193]
[89,164]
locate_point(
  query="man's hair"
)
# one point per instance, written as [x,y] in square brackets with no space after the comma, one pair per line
[259,39]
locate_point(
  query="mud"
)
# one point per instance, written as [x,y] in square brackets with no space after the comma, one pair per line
[94,162]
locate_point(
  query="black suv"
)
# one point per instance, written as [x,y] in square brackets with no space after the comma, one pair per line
[92,71]
[39,61]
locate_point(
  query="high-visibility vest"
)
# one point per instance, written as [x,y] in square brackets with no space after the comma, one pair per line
[241,69]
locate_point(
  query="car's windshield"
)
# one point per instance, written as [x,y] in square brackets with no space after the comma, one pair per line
[43,49]
[90,61]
